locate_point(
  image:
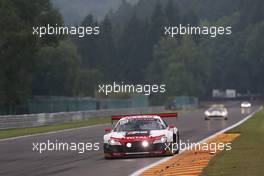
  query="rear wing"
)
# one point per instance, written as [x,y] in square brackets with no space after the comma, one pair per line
[162,115]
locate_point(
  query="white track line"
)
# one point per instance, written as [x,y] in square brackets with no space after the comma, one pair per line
[140,171]
[52,132]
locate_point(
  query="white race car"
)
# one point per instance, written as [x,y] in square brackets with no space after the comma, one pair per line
[216,111]
[141,135]
[245,104]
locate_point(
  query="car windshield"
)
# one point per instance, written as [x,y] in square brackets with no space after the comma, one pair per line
[139,125]
[216,109]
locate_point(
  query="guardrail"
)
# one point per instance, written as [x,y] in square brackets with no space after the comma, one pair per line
[34,120]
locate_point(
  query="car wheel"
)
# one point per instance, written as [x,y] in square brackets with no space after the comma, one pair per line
[226,118]
[176,140]
[206,118]
[107,156]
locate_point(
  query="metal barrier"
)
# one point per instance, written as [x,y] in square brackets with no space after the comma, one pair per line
[34,120]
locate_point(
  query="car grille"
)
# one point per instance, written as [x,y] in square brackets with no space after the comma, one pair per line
[137,147]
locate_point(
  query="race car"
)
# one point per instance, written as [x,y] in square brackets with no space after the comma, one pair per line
[216,111]
[137,135]
[245,104]
[245,107]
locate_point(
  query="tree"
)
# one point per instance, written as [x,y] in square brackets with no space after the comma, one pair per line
[18,47]
[252,11]
[133,55]
[157,23]
[180,66]
[107,55]
[88,46]
[172,13]
[190,17]
[88,81]
[254,59]
[57,71]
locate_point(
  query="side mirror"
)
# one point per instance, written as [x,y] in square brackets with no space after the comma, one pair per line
[108,130]
[171,126]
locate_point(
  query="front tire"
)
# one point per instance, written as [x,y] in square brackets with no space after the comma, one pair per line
[176,140]
[107,157]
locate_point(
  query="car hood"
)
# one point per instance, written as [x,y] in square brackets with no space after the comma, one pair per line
[152,133]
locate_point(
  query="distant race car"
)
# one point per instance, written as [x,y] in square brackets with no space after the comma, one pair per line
[245,104]
[216,111]
[138,135]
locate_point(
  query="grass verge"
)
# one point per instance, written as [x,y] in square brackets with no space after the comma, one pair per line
[49,128]
[247,156]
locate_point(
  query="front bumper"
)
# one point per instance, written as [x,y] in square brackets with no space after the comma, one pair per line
[122,151]
[245,106]
[216,116]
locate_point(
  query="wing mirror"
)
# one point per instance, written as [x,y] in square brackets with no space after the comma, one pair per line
[171,126]
[108,130]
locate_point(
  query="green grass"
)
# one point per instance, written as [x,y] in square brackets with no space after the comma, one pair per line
[49,128]
[247,155]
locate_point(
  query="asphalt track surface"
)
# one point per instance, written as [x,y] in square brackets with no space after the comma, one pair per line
[17,157]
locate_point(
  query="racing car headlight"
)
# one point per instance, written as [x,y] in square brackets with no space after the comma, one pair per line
[161,140]
[224,113]
[145,144]
[206,113]
[114,142]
